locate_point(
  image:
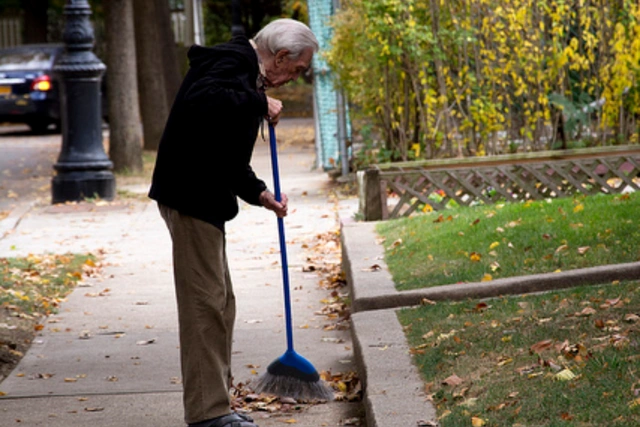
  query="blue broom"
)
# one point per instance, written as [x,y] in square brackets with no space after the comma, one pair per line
[290,375]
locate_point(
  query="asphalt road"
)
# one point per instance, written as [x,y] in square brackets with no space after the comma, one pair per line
[26,166]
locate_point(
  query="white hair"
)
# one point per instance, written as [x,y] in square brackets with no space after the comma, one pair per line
[288,34]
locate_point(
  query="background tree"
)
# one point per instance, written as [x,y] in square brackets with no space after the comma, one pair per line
[168,50]
[154,107]
[125,131]
[35,20]
[255,15]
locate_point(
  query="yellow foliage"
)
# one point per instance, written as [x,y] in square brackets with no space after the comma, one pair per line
[482,75]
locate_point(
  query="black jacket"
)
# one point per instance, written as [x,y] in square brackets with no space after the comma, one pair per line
[205,150]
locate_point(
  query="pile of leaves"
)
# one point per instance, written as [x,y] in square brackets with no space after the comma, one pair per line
[323,259]
[32,288]
[347,388]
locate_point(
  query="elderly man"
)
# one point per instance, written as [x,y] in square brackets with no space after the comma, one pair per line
[203,164]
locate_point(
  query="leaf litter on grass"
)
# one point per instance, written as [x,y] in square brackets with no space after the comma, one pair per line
[532,359]
[32,288]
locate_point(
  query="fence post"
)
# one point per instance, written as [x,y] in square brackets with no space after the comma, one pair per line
[370,199]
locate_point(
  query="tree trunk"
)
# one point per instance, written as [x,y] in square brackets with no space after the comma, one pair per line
[125,130]
[35,20]
[169,51]
[151,81]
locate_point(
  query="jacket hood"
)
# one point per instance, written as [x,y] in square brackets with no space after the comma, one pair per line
[238,47]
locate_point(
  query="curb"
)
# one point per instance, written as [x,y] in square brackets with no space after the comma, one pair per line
[394,392]
[393,388]
[10,223]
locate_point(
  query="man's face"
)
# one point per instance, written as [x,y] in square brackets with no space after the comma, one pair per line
[284,69]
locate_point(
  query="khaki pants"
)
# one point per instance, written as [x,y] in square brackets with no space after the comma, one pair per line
[206,314]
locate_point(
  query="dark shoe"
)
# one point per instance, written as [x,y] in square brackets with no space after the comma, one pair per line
[232,420]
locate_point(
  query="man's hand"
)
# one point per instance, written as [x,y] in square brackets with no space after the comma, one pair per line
[275,109]
[268,200]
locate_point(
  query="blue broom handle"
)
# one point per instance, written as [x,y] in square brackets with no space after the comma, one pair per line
[283,246]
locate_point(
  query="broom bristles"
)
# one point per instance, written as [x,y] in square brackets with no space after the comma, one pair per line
[288,386]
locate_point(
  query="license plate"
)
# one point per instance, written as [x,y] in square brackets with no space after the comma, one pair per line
[5,90]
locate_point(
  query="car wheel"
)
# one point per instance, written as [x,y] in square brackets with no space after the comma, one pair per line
[39,126]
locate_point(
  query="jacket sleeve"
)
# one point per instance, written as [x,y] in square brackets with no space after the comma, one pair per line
[248,186]
[221,90]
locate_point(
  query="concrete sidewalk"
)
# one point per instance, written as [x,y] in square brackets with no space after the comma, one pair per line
[111,352]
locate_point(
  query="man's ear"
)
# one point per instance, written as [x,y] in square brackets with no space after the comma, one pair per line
[280,55]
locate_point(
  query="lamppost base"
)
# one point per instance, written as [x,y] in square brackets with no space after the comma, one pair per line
[77,186]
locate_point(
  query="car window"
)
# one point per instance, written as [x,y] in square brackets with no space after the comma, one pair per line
[25,60]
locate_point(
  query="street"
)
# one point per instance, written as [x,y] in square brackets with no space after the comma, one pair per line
[26,166]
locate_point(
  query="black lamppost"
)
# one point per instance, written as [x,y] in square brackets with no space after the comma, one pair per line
[83,168]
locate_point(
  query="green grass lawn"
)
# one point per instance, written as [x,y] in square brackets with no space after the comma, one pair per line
[35,285]
[566,358]
[471,244]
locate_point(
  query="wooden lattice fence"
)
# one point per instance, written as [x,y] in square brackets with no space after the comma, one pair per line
[400,189]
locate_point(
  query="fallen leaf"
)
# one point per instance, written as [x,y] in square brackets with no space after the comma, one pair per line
[587,311]
[481,306]
[93,409]
[613,302]
[333,340]
[565,415]
[444,414]
[631,318]
[583,249]
[395,244]
[453,381]
[477,422]
[504,361]
[146,342]
[486,278]
[540,346]
[475,256]
[565,375]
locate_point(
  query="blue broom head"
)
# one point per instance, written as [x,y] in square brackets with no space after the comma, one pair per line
[291,375]
[292,364]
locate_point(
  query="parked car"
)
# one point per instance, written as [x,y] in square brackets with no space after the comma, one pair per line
[29,90]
